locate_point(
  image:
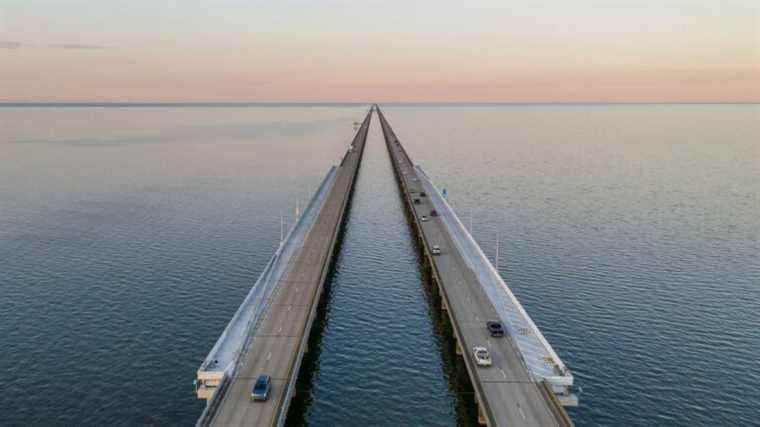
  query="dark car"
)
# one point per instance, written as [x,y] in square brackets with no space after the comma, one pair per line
[434,213]
[261,387]
[416,201]
[495,329]
[422,194]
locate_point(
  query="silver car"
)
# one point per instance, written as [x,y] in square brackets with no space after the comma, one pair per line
[482,356]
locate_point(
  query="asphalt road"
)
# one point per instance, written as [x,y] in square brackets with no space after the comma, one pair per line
[508,395]
[276,346]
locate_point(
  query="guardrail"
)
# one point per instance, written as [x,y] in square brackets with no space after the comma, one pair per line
[237,329]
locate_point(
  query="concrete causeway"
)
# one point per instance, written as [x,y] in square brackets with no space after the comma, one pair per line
[276,339]
[508,393]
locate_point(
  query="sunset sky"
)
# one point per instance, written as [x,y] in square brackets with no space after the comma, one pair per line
[341,50]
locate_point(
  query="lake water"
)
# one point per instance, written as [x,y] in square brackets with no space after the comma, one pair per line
[631,234]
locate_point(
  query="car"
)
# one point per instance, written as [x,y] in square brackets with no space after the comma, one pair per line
[482,356]
[436,250]
[495,329]
[434,213]
[422,194]
[261,388]
[416,201]
[423,218]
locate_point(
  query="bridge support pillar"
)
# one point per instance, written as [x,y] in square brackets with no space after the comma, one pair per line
[481,416]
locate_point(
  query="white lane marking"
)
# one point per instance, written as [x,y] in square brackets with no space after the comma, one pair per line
[519,408]
[280,329]
[269,355]
[502,373]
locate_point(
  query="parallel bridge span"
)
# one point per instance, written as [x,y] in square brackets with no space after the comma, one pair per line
[528,384]
[270,331]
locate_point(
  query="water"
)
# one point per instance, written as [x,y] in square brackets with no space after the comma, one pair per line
[128,236]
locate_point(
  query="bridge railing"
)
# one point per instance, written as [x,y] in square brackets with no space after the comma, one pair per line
[234,342]
[538,355]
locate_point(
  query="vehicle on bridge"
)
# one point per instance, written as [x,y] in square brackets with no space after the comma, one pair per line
[423,218]
[436,250]
[495,329]
[434,213]
[260,391]
[482,356]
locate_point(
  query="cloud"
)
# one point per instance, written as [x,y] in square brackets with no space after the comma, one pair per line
[10,44]
[76,46]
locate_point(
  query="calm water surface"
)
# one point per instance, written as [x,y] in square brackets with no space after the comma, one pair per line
[631,233]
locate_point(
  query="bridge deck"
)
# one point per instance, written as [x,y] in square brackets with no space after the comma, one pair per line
[278,343]
[506,393]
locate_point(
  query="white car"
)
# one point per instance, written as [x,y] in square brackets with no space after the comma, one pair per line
[436,250]
[424,218]
[482,356]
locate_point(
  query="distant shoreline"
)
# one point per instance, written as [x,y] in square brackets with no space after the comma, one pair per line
[342,104]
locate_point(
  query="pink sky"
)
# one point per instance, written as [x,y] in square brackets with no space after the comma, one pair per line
[74,50]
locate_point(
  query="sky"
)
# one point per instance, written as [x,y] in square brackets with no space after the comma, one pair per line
[393,50]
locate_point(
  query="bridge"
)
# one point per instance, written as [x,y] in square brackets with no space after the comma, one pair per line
[527,384]
[269,332]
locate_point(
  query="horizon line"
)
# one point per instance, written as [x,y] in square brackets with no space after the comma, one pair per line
[22,104]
